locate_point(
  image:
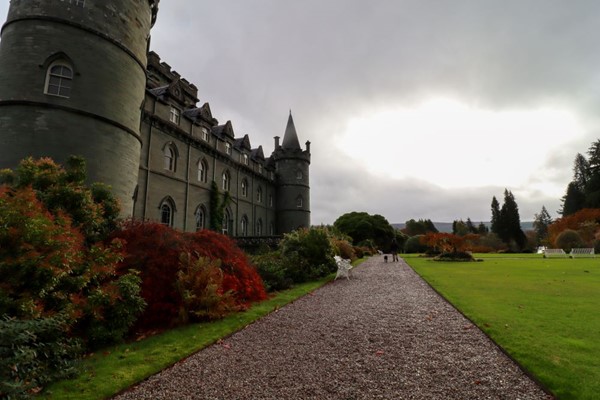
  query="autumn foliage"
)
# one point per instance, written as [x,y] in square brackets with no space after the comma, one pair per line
[156,250]
[585,222]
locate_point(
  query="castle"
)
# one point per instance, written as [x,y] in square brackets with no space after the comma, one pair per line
[77,78]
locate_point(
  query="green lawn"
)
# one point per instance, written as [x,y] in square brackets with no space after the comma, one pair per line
[544,312]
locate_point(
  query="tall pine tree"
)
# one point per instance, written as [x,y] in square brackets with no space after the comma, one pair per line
[506,222]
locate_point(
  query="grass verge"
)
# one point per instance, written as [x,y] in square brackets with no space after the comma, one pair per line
[116,368]
[544,312]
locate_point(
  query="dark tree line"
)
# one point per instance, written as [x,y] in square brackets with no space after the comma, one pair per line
[584,190]
[506,222]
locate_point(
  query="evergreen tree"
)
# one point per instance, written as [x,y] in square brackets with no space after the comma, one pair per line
[581,171]
[482,229]
[470,226]
[510,222]
[594,160]
[540,225]
[573,201]
[459,228]
[495,216]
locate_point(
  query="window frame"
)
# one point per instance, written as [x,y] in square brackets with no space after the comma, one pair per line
[200,217]
[174,115]
[226,181]
[62,79]
[202,171]
[170,160]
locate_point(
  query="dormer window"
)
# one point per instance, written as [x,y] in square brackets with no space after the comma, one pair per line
[174,115]
[245,159]
[205,134]
[260,169]
[228,148]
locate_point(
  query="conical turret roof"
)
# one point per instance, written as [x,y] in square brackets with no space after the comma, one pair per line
[290,137]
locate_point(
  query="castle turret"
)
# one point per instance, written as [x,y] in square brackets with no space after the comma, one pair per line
[72,82]
[293,189]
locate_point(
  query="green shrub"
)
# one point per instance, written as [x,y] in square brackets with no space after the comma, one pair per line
[343,249]
[569,239]
[273,270]
[414,245]
[308,254]
[34,353]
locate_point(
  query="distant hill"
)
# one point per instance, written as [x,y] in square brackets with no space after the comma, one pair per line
[447,226]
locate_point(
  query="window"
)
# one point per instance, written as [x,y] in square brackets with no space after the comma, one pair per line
[271,229]
[226,222]
[170,157]
[259,195]
[299,201]
[245,159]
[174,115]
[59,79]
[228,148]
[244,188]
[259,227]
[260,168]
[205,134]
[270,200]
[226,184]
[299,175]
[167,210]
[202,171]
[200,215]
[244,226]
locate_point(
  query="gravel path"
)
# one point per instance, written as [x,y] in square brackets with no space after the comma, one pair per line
[385,334]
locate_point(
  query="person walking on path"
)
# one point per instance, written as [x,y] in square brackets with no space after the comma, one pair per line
[383,335]
[394,250]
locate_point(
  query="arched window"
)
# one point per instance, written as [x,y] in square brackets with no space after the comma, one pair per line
[244,226]
[299,201]
[226,222]
[202,171]
[226,184]
[259,195]
[170,157]
[200,215]
[259,227]
[167,211]
[59,79]
[299,175]
[244,188]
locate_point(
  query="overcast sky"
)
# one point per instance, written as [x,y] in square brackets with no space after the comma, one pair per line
[415,109]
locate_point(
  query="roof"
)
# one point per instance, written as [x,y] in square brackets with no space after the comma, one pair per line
[290,137]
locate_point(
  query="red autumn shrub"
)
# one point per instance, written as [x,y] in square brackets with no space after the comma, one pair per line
[239,276]
[155,250]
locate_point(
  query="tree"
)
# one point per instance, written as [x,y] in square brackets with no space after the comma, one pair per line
[459,228]
[361,226]
[482,229]
[506,222]
[573,201]
[470,226]
[420,227]
[540,225]
[495,216]
[581,171]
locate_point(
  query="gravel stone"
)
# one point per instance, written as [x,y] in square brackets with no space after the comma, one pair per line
[384,334]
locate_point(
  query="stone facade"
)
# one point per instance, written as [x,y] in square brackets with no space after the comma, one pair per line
[76,78]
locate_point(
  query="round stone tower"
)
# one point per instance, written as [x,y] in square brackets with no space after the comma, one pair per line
[293,189]
[72,82]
